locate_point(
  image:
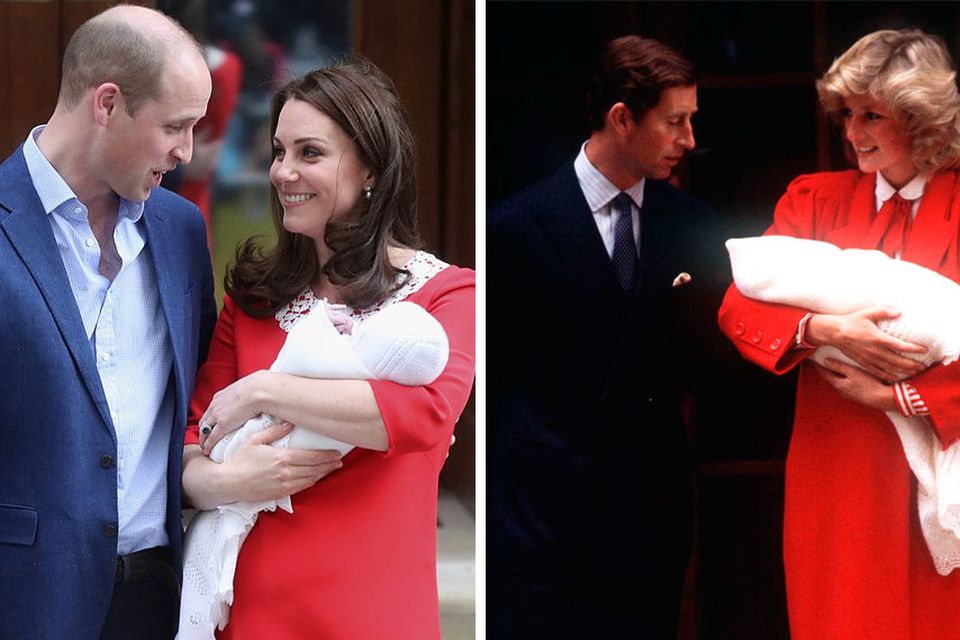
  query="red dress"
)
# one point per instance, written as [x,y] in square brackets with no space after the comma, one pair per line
[357,558]
[857,566]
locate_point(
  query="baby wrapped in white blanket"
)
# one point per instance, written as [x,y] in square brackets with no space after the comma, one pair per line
[822,278]
[401,343]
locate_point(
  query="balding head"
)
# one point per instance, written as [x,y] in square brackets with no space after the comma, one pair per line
[126,45]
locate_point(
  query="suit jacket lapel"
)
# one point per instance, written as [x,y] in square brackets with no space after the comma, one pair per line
[568,222]
[28,230]
[171,281]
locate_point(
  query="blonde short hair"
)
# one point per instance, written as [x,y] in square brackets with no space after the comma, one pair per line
[911,73]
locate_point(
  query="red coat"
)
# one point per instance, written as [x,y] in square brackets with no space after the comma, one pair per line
[856,563]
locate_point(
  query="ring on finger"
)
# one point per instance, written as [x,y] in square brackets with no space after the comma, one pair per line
[205,428]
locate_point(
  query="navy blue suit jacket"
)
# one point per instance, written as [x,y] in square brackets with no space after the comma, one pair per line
[58,505]
[588,469]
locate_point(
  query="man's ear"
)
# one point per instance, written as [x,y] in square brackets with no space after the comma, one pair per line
[107,102]
[620,118]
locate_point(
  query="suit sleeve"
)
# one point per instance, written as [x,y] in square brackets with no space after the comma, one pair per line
[421,418]
[763,332]
[219,370]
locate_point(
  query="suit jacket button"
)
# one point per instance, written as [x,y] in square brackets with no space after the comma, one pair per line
[739,329]
[757,337]
[775,344]
[110,531]
[106,461]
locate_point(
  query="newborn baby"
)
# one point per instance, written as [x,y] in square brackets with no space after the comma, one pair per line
[822,278]
[401,343]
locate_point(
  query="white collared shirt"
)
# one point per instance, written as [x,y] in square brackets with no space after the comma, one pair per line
[130,342]
[912,191]
[599,193]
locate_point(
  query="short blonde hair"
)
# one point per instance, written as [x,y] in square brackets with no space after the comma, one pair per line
[911,73]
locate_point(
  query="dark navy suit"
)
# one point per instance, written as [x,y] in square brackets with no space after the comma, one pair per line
[58,502]
[589,484]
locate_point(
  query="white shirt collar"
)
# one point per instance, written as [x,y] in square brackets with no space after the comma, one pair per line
[597,189]
[51,188]
[911,191]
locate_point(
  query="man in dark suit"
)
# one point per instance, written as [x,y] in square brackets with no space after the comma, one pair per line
[107,297]
[602,275]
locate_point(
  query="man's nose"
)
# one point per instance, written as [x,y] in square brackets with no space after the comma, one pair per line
[183,152]
[686,139]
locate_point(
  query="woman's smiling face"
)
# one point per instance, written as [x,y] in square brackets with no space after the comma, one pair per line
[316,170]
[878,139]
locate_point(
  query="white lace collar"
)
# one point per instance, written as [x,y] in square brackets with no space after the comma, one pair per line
[422,266]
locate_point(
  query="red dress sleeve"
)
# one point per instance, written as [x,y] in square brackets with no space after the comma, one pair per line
[420,418]
[763,332]
[219,370]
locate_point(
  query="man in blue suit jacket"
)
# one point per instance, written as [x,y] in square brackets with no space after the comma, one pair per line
[107,305]
[612,273]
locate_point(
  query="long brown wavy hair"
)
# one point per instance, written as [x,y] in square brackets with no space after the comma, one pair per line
[364,103]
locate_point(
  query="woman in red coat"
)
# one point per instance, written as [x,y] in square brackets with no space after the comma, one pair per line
[856,562]
[357,558]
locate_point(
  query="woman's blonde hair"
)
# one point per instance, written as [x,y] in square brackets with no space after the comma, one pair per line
[911,73]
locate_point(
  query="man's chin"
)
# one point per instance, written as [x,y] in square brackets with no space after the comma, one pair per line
[137,197]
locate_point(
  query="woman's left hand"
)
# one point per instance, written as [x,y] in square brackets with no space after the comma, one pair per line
[855,384]
[231,407]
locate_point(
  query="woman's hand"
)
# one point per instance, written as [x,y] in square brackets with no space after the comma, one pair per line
[857,335]
[256,471]
[231,407]
[857,385]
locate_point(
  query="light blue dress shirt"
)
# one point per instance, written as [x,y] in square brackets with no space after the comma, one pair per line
[131,343]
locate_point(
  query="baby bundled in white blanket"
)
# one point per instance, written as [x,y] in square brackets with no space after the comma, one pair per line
[401,343]
[822,278]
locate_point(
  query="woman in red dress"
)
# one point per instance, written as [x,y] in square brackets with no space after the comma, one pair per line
[856,562]
[357,558]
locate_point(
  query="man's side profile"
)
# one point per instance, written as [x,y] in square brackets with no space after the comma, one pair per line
[107,299]
[589,487]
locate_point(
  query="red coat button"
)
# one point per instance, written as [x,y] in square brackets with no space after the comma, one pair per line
[775,344]
[739,329]
[757,337]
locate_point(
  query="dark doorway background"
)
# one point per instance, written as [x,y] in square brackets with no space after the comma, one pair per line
[758,128]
